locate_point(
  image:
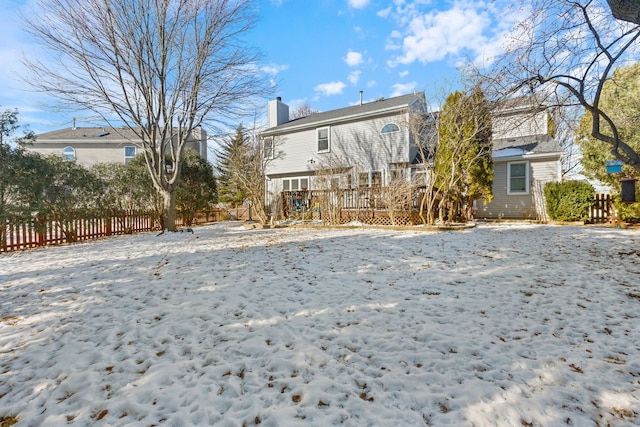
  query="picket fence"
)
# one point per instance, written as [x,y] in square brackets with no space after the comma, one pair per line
[39,232]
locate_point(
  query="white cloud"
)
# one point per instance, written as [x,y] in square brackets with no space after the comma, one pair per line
[469,29]
[332,88]
[403,88]
[384,13]
[358,4]
[394,41]
[353,59]
[274,68]
[371,83]
[435,35]
[354,77]
[404,73]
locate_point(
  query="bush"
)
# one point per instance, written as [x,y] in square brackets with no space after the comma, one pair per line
[569,200]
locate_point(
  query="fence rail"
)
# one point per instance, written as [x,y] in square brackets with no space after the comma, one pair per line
[37,232]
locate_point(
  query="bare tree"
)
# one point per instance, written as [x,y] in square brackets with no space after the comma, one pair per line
[423,130]
[301,111]
[161,67]
[565,121]
[248,165]
[332,175]
[564,51]
[396,197]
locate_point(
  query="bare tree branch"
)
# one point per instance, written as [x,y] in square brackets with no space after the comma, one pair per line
[161,67]
[564,52]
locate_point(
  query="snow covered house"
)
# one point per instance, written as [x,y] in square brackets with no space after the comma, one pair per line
[91,145]
[370,144]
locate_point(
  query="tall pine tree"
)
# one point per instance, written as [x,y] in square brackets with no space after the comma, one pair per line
[229,161]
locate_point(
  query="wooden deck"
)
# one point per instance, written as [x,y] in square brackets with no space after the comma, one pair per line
[366,205]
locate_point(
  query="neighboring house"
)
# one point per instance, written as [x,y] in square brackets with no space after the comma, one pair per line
[365,145]
[91,145]
[370,144]
[525,158]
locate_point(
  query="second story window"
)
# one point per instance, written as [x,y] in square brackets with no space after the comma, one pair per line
[129,153]
[390,128]
[268,148]
[69,153]
[324,143]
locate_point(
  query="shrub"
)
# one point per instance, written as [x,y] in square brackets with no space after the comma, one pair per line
[569,200]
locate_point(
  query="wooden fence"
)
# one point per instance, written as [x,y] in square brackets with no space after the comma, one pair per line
[38,232]
[602,209]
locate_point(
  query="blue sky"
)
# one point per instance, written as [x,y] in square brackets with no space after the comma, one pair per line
[322,52]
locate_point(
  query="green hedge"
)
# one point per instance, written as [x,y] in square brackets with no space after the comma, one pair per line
[569,200]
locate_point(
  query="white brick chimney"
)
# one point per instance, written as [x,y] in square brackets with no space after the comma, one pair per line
[277,112]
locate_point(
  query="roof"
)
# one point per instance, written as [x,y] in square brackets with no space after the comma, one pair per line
[361,110]
[528,145]
[89,134]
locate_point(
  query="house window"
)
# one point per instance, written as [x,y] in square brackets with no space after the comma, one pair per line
[324,143]
[69,153]
[518,178]
[376,179]
[390,128]
[363,179]
[129,153]
[398,172]
[295,184]
[268,148]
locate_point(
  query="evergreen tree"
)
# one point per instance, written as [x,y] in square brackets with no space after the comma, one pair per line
[463,169]
[229,162]
[197,191]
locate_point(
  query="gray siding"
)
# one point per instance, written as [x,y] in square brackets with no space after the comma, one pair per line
[529,206]
[517,125]
[357,143]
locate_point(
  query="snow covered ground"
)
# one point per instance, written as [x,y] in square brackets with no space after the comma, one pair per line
[509,325]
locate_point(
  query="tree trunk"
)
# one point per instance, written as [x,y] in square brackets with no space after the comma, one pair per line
[169,210]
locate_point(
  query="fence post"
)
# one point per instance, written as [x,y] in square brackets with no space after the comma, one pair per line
[41,231]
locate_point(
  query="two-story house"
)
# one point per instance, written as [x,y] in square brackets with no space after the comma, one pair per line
[370,144]
[90,145]
[525,158]
[365,145]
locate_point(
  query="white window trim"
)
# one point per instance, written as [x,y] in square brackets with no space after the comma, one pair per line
[390,132]
[72,152]
[526,179]
[135,151]
[269,142]
[328,150]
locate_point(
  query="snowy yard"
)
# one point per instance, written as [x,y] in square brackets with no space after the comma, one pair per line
[509,325]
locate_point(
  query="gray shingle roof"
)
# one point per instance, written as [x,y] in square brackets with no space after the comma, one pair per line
[367,108]
[534,144]
[89,133]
